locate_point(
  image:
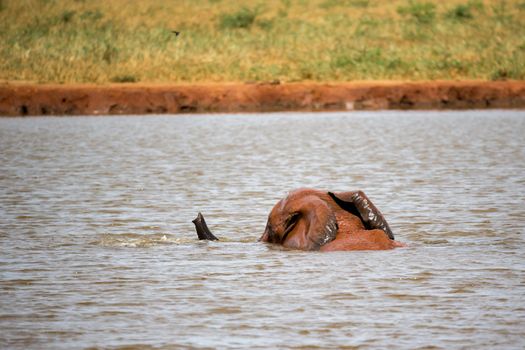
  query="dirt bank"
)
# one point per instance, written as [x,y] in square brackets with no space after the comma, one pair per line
[18,99]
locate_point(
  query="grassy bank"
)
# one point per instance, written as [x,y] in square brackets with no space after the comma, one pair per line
[291,40]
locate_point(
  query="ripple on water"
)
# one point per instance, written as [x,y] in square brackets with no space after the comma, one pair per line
[98,248]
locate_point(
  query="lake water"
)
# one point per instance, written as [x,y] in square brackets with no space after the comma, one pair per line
[98,248]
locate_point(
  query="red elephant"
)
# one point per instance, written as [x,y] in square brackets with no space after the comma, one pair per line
[319,220]
[310,219]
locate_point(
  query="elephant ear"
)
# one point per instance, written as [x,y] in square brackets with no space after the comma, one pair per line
[357,203]
[322,228]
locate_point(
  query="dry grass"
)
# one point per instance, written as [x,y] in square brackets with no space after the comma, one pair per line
[291,40]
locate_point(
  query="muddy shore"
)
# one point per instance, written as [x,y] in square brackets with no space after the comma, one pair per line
[23,99]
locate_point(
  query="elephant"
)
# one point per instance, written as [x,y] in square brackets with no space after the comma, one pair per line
[309,219]
[315,220]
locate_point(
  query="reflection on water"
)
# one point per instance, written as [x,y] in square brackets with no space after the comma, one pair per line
[98,248]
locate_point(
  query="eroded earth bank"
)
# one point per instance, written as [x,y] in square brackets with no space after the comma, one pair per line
[22,99]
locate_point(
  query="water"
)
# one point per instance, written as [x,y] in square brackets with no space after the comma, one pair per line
[98,248]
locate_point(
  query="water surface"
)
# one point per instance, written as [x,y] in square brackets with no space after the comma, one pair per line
[98,248]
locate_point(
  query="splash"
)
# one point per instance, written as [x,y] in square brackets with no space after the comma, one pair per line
[133,240]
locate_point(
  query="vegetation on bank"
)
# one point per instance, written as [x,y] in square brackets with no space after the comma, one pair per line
[262,40]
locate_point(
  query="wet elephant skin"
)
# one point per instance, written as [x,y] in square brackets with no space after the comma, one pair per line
[309,219]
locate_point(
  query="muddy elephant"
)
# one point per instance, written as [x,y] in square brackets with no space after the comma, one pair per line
[309,219]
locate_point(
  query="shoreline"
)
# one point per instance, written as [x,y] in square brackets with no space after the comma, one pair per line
[31,99]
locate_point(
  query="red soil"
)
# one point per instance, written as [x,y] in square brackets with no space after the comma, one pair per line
[19,99]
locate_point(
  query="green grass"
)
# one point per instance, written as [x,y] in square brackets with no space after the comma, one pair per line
[421,12]
[243,18]
[100,41]
[124,79]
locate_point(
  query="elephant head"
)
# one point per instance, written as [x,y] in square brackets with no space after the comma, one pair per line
[310,219]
